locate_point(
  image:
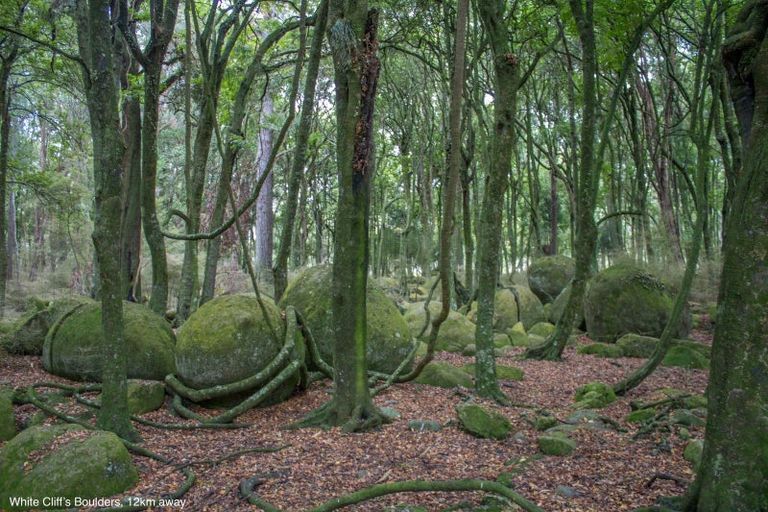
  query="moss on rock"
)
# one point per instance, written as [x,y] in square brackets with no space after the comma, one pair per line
[389,338]
[64,461]
[27,336]
[685,356]
[601,350]
[505,310]
[7,418]
[483,422]
[554,444]
[626,299]
[444,375]
[456,332]
[73,346]
[640,415]
[693,451]
[548,276]
[594,395]
[145,396]
[558,306]
[635,345]
[543,329]
[530,309]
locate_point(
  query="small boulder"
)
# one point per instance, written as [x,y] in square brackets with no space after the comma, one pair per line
[530,309]
[424,426]
[542,329]
[444,375]
[686,418]
[556,444]
[145,396]
[483,422]
[548,276]
[456,332]
[635,345]
[601,350]
[594,395]
[693,451]
[640,415]
[544,422]
[65,461]
[685,356]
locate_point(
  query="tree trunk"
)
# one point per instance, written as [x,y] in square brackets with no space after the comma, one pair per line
[5,137]
[13,246]
[95,37]
[733,474]
[265,215]
[131,199]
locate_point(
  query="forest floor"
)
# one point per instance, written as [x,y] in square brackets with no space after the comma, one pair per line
[608,471]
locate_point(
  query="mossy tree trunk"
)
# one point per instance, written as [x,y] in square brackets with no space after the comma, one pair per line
[7,59]
[95,41]
[733,474]
[280,271]
[506,80]
[352,36]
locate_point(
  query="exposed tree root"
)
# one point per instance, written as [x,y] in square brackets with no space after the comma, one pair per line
[361,419]
[248,486]
[667,476]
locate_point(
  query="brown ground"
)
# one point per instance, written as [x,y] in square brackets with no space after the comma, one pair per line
[608,469]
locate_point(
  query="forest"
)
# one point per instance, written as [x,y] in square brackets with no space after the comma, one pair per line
[384,255]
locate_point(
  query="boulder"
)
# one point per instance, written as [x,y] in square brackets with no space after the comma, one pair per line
[483,422]
[601,350]
[145,396]
[456,332]
[640,415]
[558,306]
[517,335]
[635,345]
[556,444]
[389,339]
[7,418]
[594,395]
[64,461]
[505,310]
[73,346]
[548,276]
[544,422]
[693,451]
[444,375]
[686,356]
[424,426]
[529,306]
[543,329]
[627,299]
[27,336]
[686,418]
[226,340]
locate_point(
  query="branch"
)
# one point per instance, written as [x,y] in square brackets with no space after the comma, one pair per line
[50,46]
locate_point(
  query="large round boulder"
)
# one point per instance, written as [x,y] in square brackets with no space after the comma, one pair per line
[27,336]
[74,345]
[67,462]
[627,299]
[548,276]
[389,339]
[530,308]
[505,310]
[456,332]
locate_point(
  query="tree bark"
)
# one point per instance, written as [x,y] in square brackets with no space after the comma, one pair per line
[265,215]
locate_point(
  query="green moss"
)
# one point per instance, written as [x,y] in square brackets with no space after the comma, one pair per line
[543,329]
[635,345]
[640,415]
[693,451]
[97,466]
[544,422]
[7,418]
[558,306]
[389,338]
[503,372]
[73,347]
[531,310]
[505,313]
[601,350]
[626,299]
[686,418]
[483,422]
[28,334]
[685,356]
[444,375]
[594,395]
[145,396]
[548,276]
[557,445]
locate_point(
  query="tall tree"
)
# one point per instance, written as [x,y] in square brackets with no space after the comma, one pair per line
[733,474]
[98,52]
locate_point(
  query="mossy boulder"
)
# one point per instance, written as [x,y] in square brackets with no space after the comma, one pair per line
[594,395]
[444,375]
[389,338]
[27,336]
[503,372]
[65,461]
[530,309]
[73,346]
[693,451]
[483,422]
[145,396]
[686,417]
[227,340]
[7,418]
[627,299]
[558,306]
[556,444]
[543,329]
[544,422]
[548,276]
[635,345]
[641,415]
[505,310]
[456,332]
[686,356]
[601,350]
[517,335]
